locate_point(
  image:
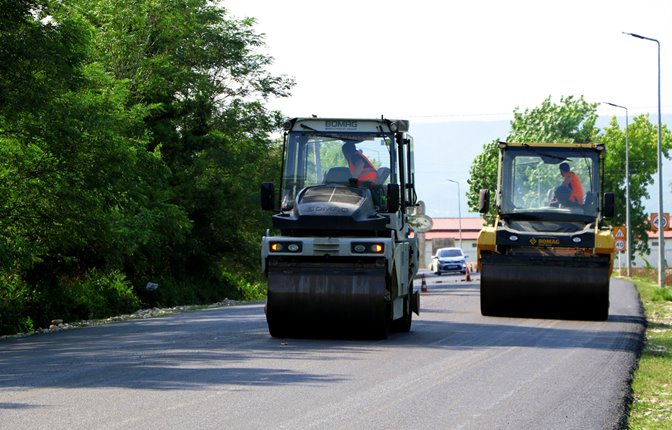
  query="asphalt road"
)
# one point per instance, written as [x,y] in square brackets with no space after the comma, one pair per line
[219,368]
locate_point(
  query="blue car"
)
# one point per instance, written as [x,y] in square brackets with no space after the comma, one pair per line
[449,260]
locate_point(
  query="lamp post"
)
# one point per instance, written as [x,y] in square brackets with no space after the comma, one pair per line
[459,211]
[661,237]
[627,188]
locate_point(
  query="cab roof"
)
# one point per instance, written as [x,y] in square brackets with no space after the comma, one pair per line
[595,146]
[369,125]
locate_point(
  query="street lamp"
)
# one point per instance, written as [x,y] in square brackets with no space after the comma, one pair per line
[661,237]
[459,211]
[627,187]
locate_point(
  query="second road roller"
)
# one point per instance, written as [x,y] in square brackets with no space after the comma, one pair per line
[547,253]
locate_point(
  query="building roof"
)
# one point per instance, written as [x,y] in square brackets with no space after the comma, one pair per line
[454,223]
[653,235]
[450,228]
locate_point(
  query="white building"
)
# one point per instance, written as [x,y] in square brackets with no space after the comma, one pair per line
[447,232]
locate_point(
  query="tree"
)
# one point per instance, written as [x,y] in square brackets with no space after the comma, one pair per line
[573,120]
[570,121]
[133,137]
[483,176]
[197,72]
[642,142]
[78,185]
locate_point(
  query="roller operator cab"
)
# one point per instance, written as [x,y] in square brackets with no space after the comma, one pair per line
[547,253]
[342,259]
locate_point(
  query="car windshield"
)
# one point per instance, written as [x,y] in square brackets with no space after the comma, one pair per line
[449,253]
[314,158]
[549,180]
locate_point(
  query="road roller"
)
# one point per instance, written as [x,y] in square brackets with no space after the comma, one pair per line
[341,257]
[548,253]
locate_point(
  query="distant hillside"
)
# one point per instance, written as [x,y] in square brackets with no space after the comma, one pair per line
[445,151]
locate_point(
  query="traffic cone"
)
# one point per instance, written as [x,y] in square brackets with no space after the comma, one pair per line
[423,285]
[467,276]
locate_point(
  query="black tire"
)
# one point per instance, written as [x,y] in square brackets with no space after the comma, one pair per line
[403,324]
[597,310]
[488,304]
[382,329]
[278,330]
[601,313]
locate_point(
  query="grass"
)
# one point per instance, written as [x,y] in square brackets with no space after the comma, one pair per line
[651,408]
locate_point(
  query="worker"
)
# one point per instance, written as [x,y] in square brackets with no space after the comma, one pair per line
[570,192]
[361,167]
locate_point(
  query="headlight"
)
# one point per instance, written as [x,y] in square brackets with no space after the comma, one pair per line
[285,246]
[367,248]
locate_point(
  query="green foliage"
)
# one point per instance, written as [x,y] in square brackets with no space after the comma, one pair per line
[196,69]
[642,149]
[570,121]
[483,176]
[255,291]
[573,120]
[652,400]
[94,294]
[248,288]
[40,58]
[646,280]
[133,137]
[99,295]
[14,299]
[203,291]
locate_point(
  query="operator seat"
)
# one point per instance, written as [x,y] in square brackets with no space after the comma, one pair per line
[338,175]
[589,202]
[383,174]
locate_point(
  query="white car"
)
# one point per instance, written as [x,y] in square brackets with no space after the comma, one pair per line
[449,260]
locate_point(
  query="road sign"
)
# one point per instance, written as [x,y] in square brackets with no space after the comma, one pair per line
[620,245]
[654,221]
[618,232]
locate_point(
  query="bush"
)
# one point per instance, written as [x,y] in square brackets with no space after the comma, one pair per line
[14,298]
[202,291]
[99,295]
[247,290]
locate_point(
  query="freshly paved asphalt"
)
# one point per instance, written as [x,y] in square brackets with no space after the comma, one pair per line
[219,368]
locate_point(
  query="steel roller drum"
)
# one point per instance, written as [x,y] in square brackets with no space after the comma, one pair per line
[545,286]
[322,299]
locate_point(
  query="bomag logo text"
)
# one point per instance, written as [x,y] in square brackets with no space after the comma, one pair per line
[547,242]
[341,125]
[329,209]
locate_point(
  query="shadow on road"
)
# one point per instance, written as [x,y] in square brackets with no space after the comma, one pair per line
[226,347]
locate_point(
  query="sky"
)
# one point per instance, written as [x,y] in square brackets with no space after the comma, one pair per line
[430,60]
[446,62]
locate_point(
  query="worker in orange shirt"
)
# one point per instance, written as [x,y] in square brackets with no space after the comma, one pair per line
[570,192]
[360,166]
